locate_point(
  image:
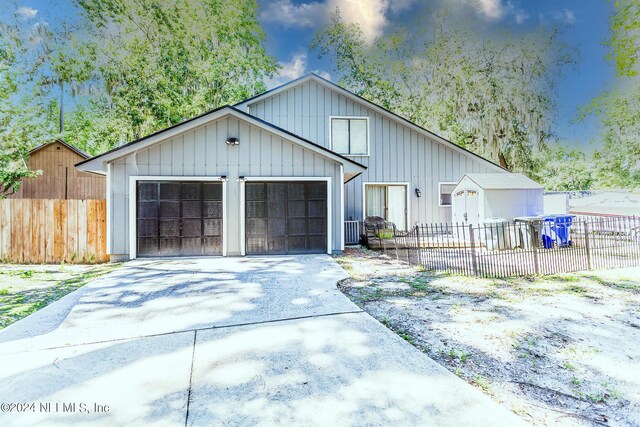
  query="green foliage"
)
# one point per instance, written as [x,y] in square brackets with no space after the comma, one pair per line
[169,61]
[617,164]
[624,42]
[492,95]
[565,169]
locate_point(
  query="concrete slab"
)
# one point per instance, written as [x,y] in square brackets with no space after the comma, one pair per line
[147,297]
[271,341]
[336,370]
[142,382]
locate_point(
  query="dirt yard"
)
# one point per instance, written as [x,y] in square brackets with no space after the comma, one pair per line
[561,350]
[25,289]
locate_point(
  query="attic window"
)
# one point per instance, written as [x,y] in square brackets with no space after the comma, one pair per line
[445,193]
[350,135]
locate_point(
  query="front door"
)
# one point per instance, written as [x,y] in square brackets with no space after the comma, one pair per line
[388,202]
[467,209]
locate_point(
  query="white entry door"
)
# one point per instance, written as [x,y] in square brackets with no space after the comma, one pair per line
[388,202]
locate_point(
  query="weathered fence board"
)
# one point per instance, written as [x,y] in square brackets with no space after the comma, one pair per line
[52,231]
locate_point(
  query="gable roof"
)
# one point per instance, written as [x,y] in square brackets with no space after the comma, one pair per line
[96,163]
[381,110]
[60,141]
[503,181]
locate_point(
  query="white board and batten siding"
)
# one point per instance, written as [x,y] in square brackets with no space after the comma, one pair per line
[203,152]
[398,152]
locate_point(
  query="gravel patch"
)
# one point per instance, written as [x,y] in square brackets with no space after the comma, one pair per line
[556,350]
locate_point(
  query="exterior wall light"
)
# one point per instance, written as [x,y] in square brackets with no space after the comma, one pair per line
[233,141]
[418,192]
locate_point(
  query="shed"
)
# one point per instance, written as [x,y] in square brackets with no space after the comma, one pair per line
[60,179]
[479,196]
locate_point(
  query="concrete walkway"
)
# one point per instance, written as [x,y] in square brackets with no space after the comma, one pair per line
[213,341]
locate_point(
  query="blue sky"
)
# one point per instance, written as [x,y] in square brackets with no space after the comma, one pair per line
[291,24]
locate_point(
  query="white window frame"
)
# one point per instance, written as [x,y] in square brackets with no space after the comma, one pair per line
[350,118]
[243,181]
[364,198]
[440,184]
[133,223]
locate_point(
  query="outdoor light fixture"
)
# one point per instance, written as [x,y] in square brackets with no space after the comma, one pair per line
[418,192]
[233,141]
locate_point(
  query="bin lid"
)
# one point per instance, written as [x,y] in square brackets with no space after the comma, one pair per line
[529,219]
[496,221]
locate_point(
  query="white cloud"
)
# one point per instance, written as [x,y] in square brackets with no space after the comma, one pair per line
[293,69]
[495,10]
[563,16]
[370,15]
[25,12]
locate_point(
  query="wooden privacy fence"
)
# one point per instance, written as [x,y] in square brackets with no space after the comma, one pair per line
[518,249]
[53,231]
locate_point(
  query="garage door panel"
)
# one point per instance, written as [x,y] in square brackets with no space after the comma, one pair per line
[147,245]
[297,209]
[170,209]
[256,227]
[316,243]
[317,226]
[276,191]
[191,191]
[212,191]
[169,191]
[276,209]
[212,209]
[148,191]
[170,228]
[277,244]
[256,245]
[192,209]
[148,228]
[192,228]
[175,219]
[256,210]
[148,210]
[255,192]
[212,227]
[277,227]
[317,208]
[291,219]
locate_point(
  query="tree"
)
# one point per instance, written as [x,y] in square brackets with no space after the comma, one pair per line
[23,116]
[163,62]
[618,162]
[565,169]
[492,95]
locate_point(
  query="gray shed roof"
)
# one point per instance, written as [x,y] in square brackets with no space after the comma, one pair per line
[503,181]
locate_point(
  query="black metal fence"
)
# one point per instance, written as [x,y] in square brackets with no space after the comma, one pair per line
[516,249]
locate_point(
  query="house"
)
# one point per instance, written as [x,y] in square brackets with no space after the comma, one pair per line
[608,203]
[60,179]
[479,196]
[277,173]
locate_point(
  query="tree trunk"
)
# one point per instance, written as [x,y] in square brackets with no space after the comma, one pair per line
[503,160]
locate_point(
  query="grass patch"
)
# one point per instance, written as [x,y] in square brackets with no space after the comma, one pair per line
[15,306]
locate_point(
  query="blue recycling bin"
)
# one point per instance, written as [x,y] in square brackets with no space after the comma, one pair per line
[557,229]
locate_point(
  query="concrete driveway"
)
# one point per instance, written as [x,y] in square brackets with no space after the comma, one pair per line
[214,341]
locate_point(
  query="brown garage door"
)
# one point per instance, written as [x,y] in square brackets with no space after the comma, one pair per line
[286,217]
[179,218]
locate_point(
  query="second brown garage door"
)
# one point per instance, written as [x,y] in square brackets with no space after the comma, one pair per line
[286,217]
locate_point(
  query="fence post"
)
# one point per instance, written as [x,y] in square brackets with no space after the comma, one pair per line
[474,260]
[417,228]
[586,244]
[534,247]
